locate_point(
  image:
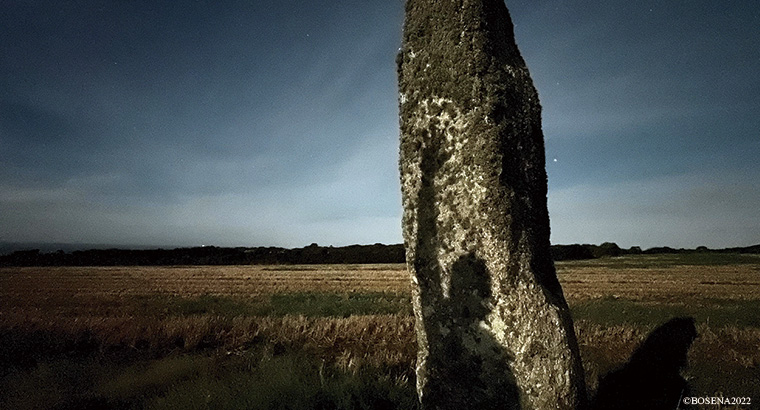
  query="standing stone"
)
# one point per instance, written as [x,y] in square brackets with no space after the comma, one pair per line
[493,327]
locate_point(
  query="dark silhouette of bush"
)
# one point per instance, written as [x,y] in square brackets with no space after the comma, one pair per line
[312,254]
[571,252]
[210,255]
[661,250]
[607,249]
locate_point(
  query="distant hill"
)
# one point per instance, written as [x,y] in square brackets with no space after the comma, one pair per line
[312,254]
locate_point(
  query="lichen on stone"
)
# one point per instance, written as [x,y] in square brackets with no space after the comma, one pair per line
[491,320]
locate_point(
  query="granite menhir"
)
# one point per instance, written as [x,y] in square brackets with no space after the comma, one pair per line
[493,327]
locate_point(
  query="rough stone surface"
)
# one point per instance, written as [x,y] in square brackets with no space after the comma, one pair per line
[493,327]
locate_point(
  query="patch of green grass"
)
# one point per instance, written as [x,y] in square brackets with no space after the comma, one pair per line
[717,313]
[184,306]
[710,378]
[214,305]
[289,381]
[254,380]
[337,305]
[147,378]
[665,260]
[713,259]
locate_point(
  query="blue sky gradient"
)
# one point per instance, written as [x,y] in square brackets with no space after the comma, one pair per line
[244,123]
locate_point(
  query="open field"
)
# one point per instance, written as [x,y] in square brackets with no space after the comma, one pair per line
[339,335]
[676,278]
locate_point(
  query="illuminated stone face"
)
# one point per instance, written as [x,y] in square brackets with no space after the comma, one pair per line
[493,327]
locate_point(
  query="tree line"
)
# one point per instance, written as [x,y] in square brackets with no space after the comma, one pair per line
[312,254]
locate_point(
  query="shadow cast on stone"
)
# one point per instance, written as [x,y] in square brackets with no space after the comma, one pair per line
[465,367]
[651,379]
[471,368]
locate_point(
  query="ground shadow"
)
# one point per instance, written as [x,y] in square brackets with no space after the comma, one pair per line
[651,379]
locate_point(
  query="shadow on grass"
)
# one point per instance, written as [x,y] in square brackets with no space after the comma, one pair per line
[651,378]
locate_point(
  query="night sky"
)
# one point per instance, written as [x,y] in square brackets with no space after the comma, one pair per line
[252,123]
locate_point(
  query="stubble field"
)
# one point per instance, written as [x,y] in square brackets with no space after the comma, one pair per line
[328,336]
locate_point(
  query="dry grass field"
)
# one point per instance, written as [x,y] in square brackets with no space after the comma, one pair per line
[641,278]
[220,336]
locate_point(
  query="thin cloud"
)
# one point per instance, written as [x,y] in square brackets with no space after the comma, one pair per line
[691,210]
